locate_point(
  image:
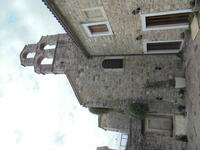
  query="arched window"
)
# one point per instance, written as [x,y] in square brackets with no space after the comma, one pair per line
[46,47]
[30,55]
[112,63]
[47,61]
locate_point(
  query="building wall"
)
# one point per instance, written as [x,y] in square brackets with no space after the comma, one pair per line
[125,26]
[115,86]
[99,87]
[114,122]
[139,141]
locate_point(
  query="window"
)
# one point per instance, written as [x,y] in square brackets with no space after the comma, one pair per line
[97,29]
[46,47]
[158,47]
[112,64]
[166,20]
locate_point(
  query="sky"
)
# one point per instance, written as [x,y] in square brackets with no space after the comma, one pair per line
[39,112]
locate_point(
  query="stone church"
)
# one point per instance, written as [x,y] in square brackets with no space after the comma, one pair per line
[114,53]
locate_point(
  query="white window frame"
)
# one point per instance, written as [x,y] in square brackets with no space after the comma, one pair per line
[164,27]
[89,34]
[162,51]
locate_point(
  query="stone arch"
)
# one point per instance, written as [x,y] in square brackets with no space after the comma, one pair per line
[47,61]
[43,64]
[49,47]
[28,54]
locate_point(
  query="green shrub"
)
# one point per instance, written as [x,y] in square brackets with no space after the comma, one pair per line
[99,111]
[191,16]
[138,110]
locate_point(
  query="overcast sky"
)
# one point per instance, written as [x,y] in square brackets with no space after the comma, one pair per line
[39,112]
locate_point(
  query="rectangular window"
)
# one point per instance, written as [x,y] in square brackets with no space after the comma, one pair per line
[97,29]
[112,64]
[171,19]
[158,47]
[166,20]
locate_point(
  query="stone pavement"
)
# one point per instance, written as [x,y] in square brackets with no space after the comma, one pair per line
[192,95]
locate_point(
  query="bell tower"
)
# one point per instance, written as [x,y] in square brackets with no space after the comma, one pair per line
[53,54]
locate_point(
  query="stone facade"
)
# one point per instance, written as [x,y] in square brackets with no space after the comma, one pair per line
[100,87]
[114,122]
[139,141]
[126,27]
[115,86]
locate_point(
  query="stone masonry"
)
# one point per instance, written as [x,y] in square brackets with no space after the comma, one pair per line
[81,59]
[125,26]
[115,86]
[114,122]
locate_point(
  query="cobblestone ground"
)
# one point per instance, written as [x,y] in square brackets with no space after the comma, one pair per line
[192,95]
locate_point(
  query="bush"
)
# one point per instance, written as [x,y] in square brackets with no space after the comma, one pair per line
[99,111]
[191,16]
[138,110]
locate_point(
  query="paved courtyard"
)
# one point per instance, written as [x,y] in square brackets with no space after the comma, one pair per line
[192,95]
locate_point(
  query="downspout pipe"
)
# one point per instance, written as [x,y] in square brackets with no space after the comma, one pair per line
[117,55]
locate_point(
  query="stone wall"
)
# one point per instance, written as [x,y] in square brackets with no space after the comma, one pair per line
[114,122]
[125,26]
[99,87]
[137,141]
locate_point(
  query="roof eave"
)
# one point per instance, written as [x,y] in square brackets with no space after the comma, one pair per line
[63,22]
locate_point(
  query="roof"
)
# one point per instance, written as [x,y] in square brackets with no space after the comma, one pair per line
[63,22]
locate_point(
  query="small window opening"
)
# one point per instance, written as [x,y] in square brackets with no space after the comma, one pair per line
[98,28]
[170,19]
[163,46]
[30,55]
[112,63]
[49,47]
[47,61]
